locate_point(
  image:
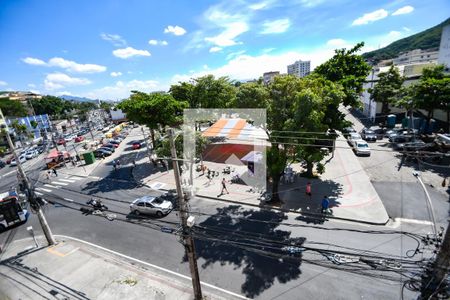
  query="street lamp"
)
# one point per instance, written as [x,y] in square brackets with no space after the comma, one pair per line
[430,205]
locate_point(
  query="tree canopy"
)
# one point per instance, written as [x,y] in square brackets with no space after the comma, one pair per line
[386,89]
[12,108]
[349,69]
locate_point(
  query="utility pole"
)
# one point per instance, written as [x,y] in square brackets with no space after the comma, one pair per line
[146,144]
[189,245]
[439,269]
[31,196]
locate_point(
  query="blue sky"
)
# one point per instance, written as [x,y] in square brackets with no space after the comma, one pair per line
[104,49]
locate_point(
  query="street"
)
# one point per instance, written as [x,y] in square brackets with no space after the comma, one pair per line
[239,247]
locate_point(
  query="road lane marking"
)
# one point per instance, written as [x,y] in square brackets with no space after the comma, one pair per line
[413,221]
[42,189]
[39,194]
[51,186]
[60,183]
[67,199]
[8,173]
[154,266]
[67,180]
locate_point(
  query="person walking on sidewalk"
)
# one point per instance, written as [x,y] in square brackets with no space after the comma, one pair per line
[325,204]
[224,186]
[114,165]
[54,172]
[308,190]
[47,175]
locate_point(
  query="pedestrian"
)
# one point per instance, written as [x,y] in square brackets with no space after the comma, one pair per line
[54,172]
[114,165]
[308,190]
[325,204]
[155,164]
[224,186]
[47,175]
[134,163]
[118,164]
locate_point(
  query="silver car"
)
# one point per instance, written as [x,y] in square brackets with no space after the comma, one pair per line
[151,205]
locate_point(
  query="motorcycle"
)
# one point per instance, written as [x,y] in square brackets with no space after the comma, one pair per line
[97,204]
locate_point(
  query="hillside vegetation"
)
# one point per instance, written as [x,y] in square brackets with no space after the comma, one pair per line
[427,39]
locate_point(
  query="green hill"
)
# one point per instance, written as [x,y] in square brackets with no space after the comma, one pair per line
[427,39]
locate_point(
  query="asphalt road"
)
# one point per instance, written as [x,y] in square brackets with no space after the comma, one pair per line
[239,247]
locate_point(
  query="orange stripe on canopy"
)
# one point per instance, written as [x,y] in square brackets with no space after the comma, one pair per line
[215,129]
[237,128]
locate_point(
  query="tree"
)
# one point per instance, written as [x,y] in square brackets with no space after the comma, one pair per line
[154,110]
[251,95]
[12,108]
[432,91]
[21,130]
[387,88]
[212,93]
[184,91]
[54,106]
[350,70]
[33,124]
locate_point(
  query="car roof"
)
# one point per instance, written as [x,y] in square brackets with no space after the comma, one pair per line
[146,199]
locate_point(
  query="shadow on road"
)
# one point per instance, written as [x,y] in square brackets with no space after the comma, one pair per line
[249,239]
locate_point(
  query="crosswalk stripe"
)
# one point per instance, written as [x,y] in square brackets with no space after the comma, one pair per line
[37,193]
[60,183]
[51,186]
[67,180]
[42,189]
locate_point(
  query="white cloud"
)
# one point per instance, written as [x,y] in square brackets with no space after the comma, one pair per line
[156,43]
[31,85]
[68,65]
[215,49]
[406,29]
[258,6]
[56,81]
[311,3]
[371,17]
[404,10]
[72,66]
[227,37]
[244,67]
[234,54]
[3,83]
[34,61]
[176,30]
[116,74]
[276,26]
[130,52]
[123,89]
[115,39]
[337,43]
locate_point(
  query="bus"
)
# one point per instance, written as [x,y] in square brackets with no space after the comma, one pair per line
[12,211]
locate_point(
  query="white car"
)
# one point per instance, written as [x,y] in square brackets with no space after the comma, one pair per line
[151,205]
[31,154]
[22,159]
[353,137]
[361,148]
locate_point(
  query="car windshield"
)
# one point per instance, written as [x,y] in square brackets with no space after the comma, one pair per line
[370,132]
[158,201]
[363,146]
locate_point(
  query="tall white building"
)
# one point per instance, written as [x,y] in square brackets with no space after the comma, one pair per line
[299,68]
[268,76]
[444,49]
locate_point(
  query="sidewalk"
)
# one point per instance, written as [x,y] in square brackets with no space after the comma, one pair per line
[352,195]
[74,269]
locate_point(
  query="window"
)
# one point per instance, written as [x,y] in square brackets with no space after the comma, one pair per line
[140,204]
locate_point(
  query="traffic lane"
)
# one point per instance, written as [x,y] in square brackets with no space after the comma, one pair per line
[232,270]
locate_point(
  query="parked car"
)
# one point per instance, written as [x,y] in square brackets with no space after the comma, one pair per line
[347,131]
[136,145]
[79,139]
[115,142]
[401,138]
[353,137]
[361,147]
[2,164]
[61,141]
[368,135]
[109,147]
[101,152]
[413,145]
[151,205]
[22,159]
[30,154]
[40,149]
